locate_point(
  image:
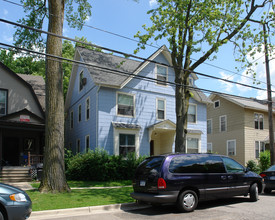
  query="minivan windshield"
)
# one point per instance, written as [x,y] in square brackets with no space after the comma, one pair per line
[150,165]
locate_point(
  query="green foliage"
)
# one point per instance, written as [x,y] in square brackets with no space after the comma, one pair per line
[264,161]
[253,166]
[99,166]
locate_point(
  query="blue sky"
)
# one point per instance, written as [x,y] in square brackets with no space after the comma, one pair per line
[126,17]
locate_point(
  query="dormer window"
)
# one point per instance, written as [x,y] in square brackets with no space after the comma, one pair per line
[161,75]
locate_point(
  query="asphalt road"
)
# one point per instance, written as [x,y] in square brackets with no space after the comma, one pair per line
[238,208]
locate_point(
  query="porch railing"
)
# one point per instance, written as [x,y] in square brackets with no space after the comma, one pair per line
[34,159]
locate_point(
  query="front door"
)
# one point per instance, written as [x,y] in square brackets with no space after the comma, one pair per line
[10,151]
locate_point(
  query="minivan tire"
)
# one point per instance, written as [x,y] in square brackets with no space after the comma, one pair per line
[254,192]
[187,201]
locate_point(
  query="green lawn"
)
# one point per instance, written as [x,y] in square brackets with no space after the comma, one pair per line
[93,183]
[79,198]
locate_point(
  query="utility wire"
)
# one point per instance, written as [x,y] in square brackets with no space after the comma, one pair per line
[118,72]
[128,38]
[125,54]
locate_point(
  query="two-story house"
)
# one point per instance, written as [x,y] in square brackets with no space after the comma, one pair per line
[237,127]
[22,119]
[124,105]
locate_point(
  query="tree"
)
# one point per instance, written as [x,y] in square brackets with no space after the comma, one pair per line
[195,27]
[53,179]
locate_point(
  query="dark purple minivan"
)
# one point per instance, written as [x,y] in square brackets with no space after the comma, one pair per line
[185,179]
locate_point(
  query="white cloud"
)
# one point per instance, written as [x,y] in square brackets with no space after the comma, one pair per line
[228,87]
[152,3]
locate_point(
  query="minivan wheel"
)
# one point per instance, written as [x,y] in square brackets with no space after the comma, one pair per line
[254,192]
[187,201]
[1,215]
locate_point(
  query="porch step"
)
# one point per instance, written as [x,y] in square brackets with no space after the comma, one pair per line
[15,174]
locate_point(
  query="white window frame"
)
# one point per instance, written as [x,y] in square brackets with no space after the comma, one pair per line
[87,109]
[79,113]
[71,119]
[220,123]
[217,101]
[164,103]
[258,121]
[198,137]
[196,113]
[81,76]
[78,146]
[227,147]
[87,143]
[6,101]
[118,131]
[211,126]
[134,104]
[166,77]
[259,148]
[209,146]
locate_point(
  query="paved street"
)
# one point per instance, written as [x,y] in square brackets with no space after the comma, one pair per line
[238,208]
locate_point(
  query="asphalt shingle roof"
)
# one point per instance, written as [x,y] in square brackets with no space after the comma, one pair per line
[108,77]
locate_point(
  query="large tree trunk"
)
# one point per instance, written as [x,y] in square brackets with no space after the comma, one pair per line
[54,179]
[182,104]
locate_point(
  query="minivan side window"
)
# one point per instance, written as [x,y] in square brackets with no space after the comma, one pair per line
[196,164]
[232,166]
[150,165]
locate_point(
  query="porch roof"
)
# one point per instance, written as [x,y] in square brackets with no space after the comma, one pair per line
[125,125]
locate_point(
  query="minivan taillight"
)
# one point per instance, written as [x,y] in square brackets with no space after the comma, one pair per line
[161,183]
[263,175]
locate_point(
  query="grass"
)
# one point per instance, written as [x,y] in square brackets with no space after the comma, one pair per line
[92,183]
[81,197]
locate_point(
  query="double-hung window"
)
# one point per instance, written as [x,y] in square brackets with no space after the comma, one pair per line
[259,121]
[162,75]
[209,126]
[72,120]
[223,123]
[192,113]
[231,147]
[3,102]
[160,109]
[87,143]
[126,144]
[87,109]
[125,104]
[79,113]
[192,145]
[259,147]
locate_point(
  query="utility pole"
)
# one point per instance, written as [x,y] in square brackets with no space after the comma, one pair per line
[269,99]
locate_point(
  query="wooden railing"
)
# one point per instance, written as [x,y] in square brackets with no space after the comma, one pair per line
[34,159]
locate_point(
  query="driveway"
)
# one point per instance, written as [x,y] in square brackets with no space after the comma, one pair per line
[238,208]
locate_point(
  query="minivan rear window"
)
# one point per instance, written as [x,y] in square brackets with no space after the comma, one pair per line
[150,165]
[196,164]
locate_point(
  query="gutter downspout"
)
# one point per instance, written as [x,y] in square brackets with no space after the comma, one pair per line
[97,94]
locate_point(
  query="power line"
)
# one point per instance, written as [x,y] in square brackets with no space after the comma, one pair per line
[128,38]
[125,54]
[118,72]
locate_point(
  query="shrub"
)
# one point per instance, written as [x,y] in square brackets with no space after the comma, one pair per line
[253,166]
[264,161]
[99,166]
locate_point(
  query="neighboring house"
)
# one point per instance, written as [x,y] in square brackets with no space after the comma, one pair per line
[22,119]
[106,107]
[237,127]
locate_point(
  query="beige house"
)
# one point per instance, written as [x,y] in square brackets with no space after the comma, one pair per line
[237,127]
[22,117]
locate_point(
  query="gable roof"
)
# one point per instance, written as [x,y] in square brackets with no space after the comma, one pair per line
[116,72]
[30,83]
[38,85]
[244,102]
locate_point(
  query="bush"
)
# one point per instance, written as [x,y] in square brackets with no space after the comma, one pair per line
[253,166]
[99,166]
[264,161]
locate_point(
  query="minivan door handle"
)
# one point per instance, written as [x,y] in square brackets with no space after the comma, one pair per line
[223,177]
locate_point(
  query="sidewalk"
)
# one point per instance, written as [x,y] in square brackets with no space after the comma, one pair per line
[58,213]
[62,213]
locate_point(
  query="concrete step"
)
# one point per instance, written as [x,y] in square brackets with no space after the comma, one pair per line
[15,174]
